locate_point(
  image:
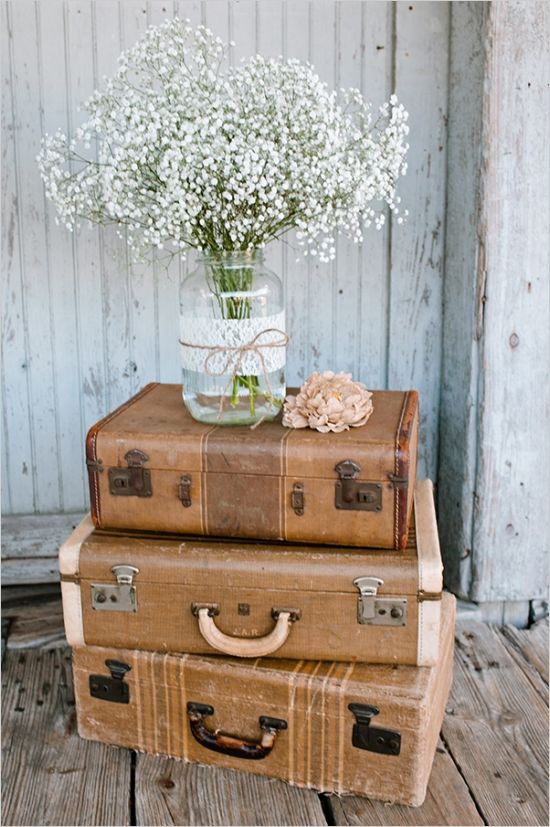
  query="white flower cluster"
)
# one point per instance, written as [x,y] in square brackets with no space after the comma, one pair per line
[185,152]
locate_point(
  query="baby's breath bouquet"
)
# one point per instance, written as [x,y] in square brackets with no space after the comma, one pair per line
[184,151]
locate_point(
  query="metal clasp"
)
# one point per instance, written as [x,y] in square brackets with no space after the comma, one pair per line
[297,498]
[352,494]
[185,490]
[111,688]
[134,481]
[378,611]
[371,738]
[120,598]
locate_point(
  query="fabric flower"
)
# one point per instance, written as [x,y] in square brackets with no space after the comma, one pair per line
[328,402]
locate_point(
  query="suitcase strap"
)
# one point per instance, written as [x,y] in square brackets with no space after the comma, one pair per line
[232,744]
[257,647]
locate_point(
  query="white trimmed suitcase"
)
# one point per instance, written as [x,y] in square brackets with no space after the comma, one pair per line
[335,727]
[203,596]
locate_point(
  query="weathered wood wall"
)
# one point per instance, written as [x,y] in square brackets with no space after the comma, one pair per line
[84,327]
[494,475]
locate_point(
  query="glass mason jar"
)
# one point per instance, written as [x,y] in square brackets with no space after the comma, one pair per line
[233,340]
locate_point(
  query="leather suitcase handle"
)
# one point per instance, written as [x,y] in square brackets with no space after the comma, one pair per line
[231,744]
[257,647]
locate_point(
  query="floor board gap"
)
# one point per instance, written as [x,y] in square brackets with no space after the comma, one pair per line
[326,806]
[133,762]
[459,770]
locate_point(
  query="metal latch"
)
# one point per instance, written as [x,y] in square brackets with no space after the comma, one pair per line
[111,689]
[134,481]
[107,597]
[297,498]
[355,495]
[185,490]
[378,611]
[373,738]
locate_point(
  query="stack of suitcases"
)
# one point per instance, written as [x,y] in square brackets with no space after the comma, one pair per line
[266,600]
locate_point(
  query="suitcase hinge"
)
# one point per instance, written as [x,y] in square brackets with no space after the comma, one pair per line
[353,494]
[111,689]
[185,490]
[95,466]
[372,738]
[120,598]
[378,611]
[134,481]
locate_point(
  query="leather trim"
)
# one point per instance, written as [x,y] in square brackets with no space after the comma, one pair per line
[91,451]
[72,613]
[402,467]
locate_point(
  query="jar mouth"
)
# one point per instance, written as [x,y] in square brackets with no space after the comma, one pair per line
[231,258]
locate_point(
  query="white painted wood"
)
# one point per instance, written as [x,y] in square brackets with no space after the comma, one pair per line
[512,518]
[36,535]
[415,303]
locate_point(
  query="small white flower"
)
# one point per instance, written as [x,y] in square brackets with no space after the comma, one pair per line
[192,151]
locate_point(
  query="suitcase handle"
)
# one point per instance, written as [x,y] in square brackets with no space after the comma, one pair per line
[231,744]
[256,647]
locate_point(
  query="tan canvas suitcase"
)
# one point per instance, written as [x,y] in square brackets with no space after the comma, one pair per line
[252,600]
[337,727]
[153,467]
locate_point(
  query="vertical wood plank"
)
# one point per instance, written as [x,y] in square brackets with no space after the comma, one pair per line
[34,259]
[512,519]
[371,320]
[114,255]
[462,297]
[65,341]
[81,80]
[422,32]
[17,486]
[297,19]
[321,281]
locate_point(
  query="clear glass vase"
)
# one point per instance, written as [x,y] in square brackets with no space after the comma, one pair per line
[233,340]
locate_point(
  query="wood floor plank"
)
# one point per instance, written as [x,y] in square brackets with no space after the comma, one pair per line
[170,792]
[533,645]
[36,535]
[496,730]
[50,776]
[448,802]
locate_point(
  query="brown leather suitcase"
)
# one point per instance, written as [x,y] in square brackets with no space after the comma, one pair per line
[336,727]
[252,600]
[153,467]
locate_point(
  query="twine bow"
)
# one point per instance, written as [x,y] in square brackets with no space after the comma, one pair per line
[235,357]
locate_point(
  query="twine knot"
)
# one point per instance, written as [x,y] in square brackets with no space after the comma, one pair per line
[234,360]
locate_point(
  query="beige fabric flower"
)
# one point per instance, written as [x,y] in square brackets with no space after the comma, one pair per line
[328,402]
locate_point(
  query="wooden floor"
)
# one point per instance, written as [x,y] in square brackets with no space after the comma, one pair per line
[491,765]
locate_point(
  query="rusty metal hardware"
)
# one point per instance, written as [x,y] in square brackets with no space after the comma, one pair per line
[422,595]
[95,466]
[371,738]
[353,494]
[232,744]
[297,498]
[295,614]
[213,608]
[185,490]
[402,482]
[134,481]
[111,688]
[106,597]
[373,610]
